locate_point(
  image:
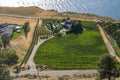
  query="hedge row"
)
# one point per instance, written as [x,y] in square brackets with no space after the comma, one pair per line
[31,46]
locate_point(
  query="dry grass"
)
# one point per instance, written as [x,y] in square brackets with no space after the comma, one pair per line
[26,11]
[55,78]
[20,44]
[34,11]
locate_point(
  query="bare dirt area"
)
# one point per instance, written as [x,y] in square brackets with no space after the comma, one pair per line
[37,12]
[24,11]
[54,78]
[20,44]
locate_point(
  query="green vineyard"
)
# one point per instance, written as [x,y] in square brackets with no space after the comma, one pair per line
[72,51]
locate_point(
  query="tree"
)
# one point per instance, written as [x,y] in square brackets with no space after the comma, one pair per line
[26,28]
[8,56]
[5,40]
[4,73]
[56,30]
[0,44]
[59,34]
[77,28]
[107,67]
[110,27]
[51,26]
[116,35]
[17,68]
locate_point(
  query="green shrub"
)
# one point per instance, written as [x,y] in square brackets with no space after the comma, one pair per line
[58,34]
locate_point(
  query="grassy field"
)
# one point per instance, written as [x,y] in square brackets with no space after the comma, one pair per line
[17,34]
[73,51]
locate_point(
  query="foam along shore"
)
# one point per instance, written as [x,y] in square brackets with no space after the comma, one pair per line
[37,12]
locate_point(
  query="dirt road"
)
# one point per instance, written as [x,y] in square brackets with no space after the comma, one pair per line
[108,44]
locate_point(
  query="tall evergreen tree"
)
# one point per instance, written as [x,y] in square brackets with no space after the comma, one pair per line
[26,28]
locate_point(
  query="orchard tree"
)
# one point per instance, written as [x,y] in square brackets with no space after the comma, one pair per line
[107,67]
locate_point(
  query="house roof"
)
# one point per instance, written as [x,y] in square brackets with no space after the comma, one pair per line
[4,28]
[3,25]
[9,31]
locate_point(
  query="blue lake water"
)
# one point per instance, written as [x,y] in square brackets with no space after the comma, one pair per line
[110,8]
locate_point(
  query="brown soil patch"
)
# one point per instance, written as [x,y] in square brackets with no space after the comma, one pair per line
[20,44]
[55,78]
[34,11]
[25,11]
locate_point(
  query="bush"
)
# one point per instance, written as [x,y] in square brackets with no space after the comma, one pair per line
[59,35]
[110,28]
[56,30]
[98,78]
[76,28]
[9,56]
[116,36]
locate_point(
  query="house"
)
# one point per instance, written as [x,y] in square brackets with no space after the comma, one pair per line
[18,27]
[66,26]
[6,29]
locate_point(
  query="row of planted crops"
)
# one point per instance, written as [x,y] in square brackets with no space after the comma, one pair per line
[73,51]
[40,32]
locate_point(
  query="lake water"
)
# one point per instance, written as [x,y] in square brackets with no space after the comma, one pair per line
[109,8]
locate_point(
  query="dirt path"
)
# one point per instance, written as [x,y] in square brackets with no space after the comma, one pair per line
[108,44]
[31,58]
[30,61]
[55,72]
[19,16]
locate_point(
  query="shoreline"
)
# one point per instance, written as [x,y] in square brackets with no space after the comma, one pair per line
[38,12]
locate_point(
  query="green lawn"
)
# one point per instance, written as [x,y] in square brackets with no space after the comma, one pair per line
[17,34]
[73,51]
